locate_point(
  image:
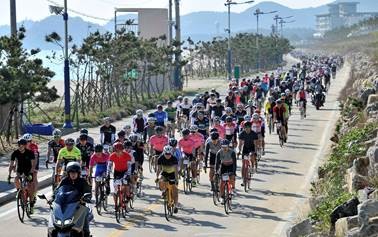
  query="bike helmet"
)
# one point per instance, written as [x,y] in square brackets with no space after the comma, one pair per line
[193,128]
[255,116]
[247,124]
[287,91]
[279,101]
[69,142]
[185,132]
[159,129]
[216,119]
[218,100]
[106,147]
[133,138]
[84,131]
[83,137]
[214,135]
[127,127]
[240,106]
[225,143]
[228,110]
[247,117]
[57,133]
[27,136]
[73,166]
[173,142]
[179,97]
[127,145]
[170,102]
[159,106]
[283,94]
[107,119]
[98,148]
[151,120]
[117,146]
[22,141]
[121,133]
[228,119]
[167,150]
[186,99]
[139,113]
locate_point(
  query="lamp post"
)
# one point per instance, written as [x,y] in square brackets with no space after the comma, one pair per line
[284,22]
[276,18]
[229,52]
[67,98]
[257,13]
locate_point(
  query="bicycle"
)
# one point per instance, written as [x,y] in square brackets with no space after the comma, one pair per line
[121,203]
[100,194]
[216,196]
[247,173]
[187,182]
[301,109]
[270,123]
[22,199]
[169,202]
[152,160]
[139,183]
[170,129]
[227,193]
[280,135]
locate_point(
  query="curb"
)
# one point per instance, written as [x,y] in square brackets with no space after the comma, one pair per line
[10,195]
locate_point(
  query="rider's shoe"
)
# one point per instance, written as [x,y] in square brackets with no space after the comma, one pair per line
[175,210]
[194,183]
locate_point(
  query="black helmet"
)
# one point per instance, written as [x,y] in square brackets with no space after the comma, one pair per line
[133,138]
[22,141]
[225,143]
[159,129]
[83,137]
[98,148]
[127,144]
[214,135]
[213,130]
[185,132]
[247,124]
[69,142]
[73,166]
[121,133]
[84,131]
[228,119]
[172,141]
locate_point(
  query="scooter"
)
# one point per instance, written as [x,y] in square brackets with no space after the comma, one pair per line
[68,213]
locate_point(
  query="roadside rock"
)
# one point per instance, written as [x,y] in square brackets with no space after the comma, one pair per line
[343,225]
[361,165]
[374,195]
[303,228]
[367,210]
[355,181]
[372,154]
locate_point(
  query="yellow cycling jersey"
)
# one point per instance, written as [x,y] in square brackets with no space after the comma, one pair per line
[73,155]
[267,107]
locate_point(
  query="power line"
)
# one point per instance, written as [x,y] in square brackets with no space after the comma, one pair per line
[80,13]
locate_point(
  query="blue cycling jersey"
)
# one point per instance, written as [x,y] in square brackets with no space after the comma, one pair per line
[161,116]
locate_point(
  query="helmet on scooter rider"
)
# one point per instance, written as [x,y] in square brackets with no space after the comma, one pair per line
[73,167]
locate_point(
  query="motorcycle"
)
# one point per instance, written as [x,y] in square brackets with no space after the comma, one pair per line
[69,214]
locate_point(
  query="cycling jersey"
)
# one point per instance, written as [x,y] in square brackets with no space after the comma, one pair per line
[230,101]
[230,129]
[185,108]
[158,142]
[198,139]
[100,161]
[217,111]
[256,126]
[169,166]
[171,112]
[239,114]
[139,124]
[221,130]
[34,148]
[86,151]
[121,162]
[67,156]
[202,125]
[211,103]
[249,141]
[55,146]
[24,161]
[177,153]
[149,131]
[107,134]
[212,149]
[226,158]
[186,145]
[89,139]
[139,152]
[268,108]
[161,117]
[280,113]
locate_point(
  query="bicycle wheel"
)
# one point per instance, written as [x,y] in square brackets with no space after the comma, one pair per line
[184,183]
[166,208]
[150,162]
[270,126]
[226,196]
[229,200]
[27,205]
[131,202]
[105,202]
[20,206]
[98,199]
[118,214]
[189,181]
[139,189]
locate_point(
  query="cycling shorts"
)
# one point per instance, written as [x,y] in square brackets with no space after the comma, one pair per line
[119,174]
[100,169]
[227,169]
[190,156]
[212,158]
[168,176]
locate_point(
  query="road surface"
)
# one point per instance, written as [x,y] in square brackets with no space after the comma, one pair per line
[279,191]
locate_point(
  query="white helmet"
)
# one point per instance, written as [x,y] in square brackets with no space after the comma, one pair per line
[27,137]
[167,150]
[151,119]
[287,91]
[106,147]
[255,116]
[228,110]
[139,112]
[57,133]
[193,128]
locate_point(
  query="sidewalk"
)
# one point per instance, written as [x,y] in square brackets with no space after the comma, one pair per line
[8,192]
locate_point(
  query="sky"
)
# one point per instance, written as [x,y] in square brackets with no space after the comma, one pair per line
[38,9]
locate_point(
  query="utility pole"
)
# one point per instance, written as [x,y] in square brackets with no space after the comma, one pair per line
[67,96]
[170,22]
[257,14]
[178,82]
[13,19]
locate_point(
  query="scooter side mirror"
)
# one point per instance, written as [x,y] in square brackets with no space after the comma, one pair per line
[87,197]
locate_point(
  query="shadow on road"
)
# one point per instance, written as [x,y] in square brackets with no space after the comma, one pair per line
[278,160]
[273,193]
[272,172]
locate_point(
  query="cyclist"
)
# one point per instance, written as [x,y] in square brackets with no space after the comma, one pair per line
[176,151]
[178,112]
[211,102]
[228,113]
[289,99]
[247,146]
[122,167]
[240,113]
[215,92]
[31,145]
[171,113]
[138,147]
[128,130]
[203,124]
[250,107]
[99,159]
[302,97]
[262,134]
[217,110]
[246,118]
[186,145]
[220,129]
[185,109]
[149,130]
[139,122]
[23,162]
[230,130]
[287,110]
[279,116]
[230,100]
[199,140]
[79,184]
[107,132]
[225,162]
[86,150]
[53,146]
[68,153]
[197,99]
[158,141]
[213,145]
[168,169]
[85,131]
[161,116]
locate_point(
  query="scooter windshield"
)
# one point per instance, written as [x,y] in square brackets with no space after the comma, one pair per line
[66,195]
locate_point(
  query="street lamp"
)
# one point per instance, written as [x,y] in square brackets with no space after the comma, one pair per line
[257,13]
[67,98]
[284,22]
[229,54]
[276,18]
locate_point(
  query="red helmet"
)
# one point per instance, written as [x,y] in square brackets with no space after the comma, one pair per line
[257,111]
[118,146]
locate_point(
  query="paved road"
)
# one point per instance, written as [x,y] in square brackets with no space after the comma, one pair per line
[278,194]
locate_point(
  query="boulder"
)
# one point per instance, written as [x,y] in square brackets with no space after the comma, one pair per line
[362,195]
[372,154]
[303,228]
[355,181]
[360,165]
[346,209]
[365,93]
[372,99]
[343,225]
[366,210]
[374,195]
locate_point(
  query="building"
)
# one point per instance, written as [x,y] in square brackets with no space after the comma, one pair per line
[149,23]
[342,14]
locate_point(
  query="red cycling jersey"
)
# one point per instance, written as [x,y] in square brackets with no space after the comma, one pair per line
[95,159]
[221,130]
[186,145]
[120,161]
[198,139]
[229,129]
[158,142]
